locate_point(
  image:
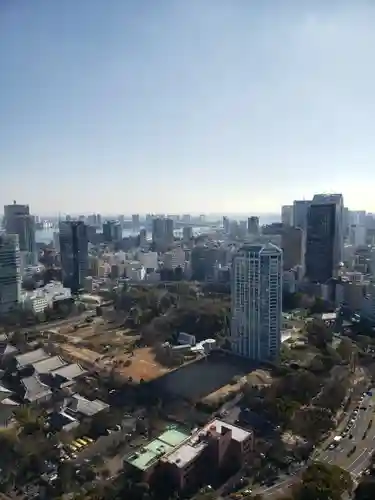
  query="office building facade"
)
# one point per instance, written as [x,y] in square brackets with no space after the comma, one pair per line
[112,231]
[10,273]
[135,223]
[324,238]
[287,215]
[74,254]
[293,245]
[187,233]
[19,221]
[300,211]
[256,294]
[162,231]
[253,225]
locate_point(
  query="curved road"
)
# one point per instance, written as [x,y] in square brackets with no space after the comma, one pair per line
[354,460]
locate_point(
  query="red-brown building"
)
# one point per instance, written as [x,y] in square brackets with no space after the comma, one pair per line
[201,456]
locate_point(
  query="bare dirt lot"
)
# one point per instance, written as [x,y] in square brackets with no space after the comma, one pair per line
[143,365]
[102,345]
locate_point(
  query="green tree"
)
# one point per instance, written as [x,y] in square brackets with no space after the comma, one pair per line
[319,334]
[29,419]
[324,482]
[345,349]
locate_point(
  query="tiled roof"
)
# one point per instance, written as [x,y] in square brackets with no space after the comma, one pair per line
[6,348]
[34,388]
[31,357]
[79,404]
[69,372]
[49,364]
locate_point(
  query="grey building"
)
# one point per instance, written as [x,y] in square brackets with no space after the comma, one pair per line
[10,273]
[256,295]
[17,220]
[135,223]
[293,244]
[112,231]
[300,211]
[287,215]
[162,231]
[74,254]
[253,225]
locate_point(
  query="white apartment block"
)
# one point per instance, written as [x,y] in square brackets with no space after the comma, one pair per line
[10,273]
[256,291]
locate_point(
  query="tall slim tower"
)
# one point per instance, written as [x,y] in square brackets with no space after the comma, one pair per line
[256,292]
[10,272]
[74,254]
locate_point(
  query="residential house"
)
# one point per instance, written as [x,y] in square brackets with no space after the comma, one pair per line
[79,407]
[31,358]
[35,391]
[7,406]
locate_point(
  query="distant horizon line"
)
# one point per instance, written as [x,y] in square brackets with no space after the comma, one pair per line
[196,214]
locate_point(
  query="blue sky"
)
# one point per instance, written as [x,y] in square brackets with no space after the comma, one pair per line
[123,106]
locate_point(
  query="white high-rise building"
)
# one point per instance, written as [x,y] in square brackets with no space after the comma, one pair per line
[257,301]
[10,273]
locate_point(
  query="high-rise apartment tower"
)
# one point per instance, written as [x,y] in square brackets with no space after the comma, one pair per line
[256,291]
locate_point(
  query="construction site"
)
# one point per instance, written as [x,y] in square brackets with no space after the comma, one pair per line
[104,345]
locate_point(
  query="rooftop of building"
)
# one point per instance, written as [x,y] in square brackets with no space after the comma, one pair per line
[79,404]
[31,357]
[52,291]
[189,450]
[165,443]
[49,364]
[258,247]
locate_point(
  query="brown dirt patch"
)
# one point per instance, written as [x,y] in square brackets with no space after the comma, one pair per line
[143,365]
[80,354]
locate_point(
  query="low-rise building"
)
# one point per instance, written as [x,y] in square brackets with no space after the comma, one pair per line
[7,406]
[43,298]
[189,459]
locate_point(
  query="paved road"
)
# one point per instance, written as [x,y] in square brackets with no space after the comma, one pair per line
[355,463]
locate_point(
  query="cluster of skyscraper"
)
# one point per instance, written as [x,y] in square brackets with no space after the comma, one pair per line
[257,272]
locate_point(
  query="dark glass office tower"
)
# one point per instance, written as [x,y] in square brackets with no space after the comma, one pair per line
[324,241]
[74,254]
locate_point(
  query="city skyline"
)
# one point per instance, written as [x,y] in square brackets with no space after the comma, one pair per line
[132,106]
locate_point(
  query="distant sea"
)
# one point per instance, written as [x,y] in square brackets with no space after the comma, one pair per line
[46,235]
